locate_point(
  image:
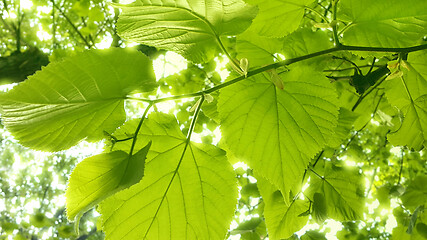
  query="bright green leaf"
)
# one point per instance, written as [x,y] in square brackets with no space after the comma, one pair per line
[409,94]
[342,189]
[191,28]
[282,220]
[313,235]
[80,97]
[277,18]
[416,193]
[247,226]
[320,209]
[188,191]
[345,124]
[305,41]
[259,50]
[276,131]
[384,23]
[100,176]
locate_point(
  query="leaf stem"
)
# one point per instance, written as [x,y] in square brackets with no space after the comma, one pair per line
[187,142]
[401,166]
[285,63]
[366,94]
[135,136]
[317,13]
[334,20]
[318,158]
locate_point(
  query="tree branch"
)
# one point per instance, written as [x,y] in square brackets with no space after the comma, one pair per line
[282,64]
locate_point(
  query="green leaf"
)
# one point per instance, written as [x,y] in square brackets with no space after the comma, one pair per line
[188,191]
[320,209]
[277,18]
[416,193]
[304,41]
[282,220]
[342,189]
[39,220]
[276,131]
[409,95]
[345,124]
[259,50]
[422,229]
[247,226]
[80,97]
[399,233]
[100,176]
[384,23]
[191,28]
[313,235]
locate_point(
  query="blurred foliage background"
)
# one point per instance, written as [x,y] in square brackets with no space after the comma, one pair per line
[32,184]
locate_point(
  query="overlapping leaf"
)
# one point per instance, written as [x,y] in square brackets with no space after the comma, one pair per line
[409,95]
[188,191]
[191,28]
[278,131]
[100,176]
[384,23]
[416,193]
[305,41]
[345,124]
[259,50]
[282,219]
[79,97]
[277,18]
[342,190]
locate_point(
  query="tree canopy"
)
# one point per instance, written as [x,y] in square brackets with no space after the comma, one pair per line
[214,119]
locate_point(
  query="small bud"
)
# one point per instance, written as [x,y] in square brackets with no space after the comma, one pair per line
[244,66]
[396,74]
[403,64]
[276,79]
[209,98]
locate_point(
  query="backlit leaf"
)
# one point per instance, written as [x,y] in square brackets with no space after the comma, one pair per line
[259,50]
[100,176]
[278,131]
[80,97]
[409,95]
[342,189]
[384,23]
[416,193]
[188,191]
[191,28]
[277,18]
[305,41]
[282,219]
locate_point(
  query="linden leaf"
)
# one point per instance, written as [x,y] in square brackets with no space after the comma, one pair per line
[278,18]
[384,23]
[188,192]
[342,189]
[191,28]
[276,131]
[80,97]
[100,176]
[282,219]
[408,94]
